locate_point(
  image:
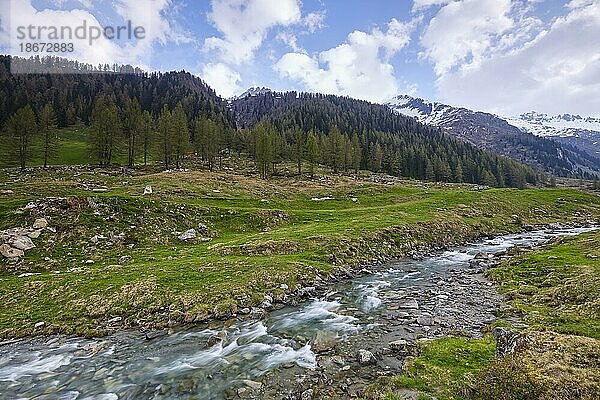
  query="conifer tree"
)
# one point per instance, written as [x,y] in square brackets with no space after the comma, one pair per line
[132,115]
[47,128]
[146,134]
[107,130]
[21,130]
[312,152]
[181,134]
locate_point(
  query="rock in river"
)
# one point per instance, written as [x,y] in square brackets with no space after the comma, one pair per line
[365,357]
[323,341]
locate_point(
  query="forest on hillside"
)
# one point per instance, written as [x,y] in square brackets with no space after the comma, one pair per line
[167,117]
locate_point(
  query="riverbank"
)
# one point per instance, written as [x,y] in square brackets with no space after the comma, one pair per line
[547,345]
[199,246]
[327,347]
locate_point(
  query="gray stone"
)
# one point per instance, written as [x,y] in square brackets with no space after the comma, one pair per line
[40,223]
[10,252]
[402,347]
[323,342]
[188,235]
[365,357]
[34,234]
[252,384]
[124,259]
[307,395]
[39,325]
[21,242]
[147,190]
[410,305]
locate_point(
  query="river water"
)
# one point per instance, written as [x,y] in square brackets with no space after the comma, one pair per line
[273,358]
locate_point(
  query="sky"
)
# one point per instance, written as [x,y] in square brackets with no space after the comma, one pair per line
[502,56]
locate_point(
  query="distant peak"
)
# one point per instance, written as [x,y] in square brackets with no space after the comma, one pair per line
[252,92]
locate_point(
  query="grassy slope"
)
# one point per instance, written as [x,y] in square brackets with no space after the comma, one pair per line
[262,234]
[555,290]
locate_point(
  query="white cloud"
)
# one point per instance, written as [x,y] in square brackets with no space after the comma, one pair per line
[556,72]
[314,21]
[464,31]
[360,67]
[420,5]
[290,39]
[245,24]
[222,79]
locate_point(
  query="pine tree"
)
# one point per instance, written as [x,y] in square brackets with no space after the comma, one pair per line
[132,115]
[47,128]
[165,136]
[265,147]
[146,134]
[21,130]
[377,158]
[356,153]
[181,134]
[336,147]
[106,130]
[298,147]
[312,152]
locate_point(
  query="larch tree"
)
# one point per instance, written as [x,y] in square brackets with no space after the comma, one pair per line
[48,130]
[21,130]
[107,130]
[312,152]
[132,115]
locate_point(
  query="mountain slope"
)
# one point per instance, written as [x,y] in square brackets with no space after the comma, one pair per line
[575,130]
[495,134]
[389,142]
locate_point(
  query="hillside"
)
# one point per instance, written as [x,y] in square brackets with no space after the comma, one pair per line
[391,143]
[495,134]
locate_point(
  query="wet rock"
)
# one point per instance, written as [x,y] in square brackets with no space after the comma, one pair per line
[155,334]
[323,342]
[21,242]
[10,252]
[252,384]
[188,235]
[365,357]
[402,347]
[425,320]
[411,304]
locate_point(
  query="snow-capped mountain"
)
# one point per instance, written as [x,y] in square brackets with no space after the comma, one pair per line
[582,132]
[504,136]
[252,92]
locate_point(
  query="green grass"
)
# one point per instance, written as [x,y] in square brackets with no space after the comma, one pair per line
[262,234]
[442,369]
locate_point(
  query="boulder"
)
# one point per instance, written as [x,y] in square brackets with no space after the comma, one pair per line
[324,341]
[21,242]
[40,223]
[402,347]
[188,235]
[365,357]
[508,340]
[10,252]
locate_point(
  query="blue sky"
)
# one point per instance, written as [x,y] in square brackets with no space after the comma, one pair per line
[502,56]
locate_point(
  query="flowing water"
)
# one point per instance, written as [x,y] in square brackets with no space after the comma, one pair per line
[403,299]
